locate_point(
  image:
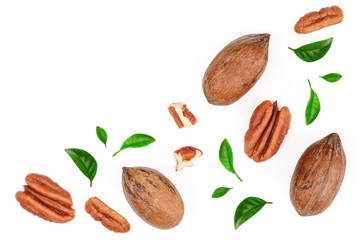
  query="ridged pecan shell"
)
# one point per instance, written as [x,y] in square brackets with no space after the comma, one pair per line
[314,21]
[318,176]
[109,218]
[46,199]
[267,129]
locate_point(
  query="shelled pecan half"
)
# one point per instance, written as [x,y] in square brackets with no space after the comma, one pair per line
[314,21]
[181,114]
[46,199]
[108,217]
[267,129]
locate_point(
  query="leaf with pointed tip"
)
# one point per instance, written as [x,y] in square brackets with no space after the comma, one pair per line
[102,135]
[332,77]
[313,51]
[220,191]
[313,107]
[247,209]
[84,161]
[226,157]
[136,141]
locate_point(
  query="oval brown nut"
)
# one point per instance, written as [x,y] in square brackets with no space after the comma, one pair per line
[314,21]
[153,197]
[267,129]
[109,218]
[318,176]
[236,69]
[46,199]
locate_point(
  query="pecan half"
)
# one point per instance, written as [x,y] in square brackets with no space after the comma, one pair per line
[108,217]
[186,156]
[181,114]
[267,129]
[314,21]
[46,199]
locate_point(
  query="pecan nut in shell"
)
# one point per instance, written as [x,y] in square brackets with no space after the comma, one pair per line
[109,218]
[318,176]
[46,199]
[267,129]
[236,69]
[314,21]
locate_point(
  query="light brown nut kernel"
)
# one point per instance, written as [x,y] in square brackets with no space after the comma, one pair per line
[314,21]
[186,156]
[108,217]
[181,114]
[267,129]
[46,199]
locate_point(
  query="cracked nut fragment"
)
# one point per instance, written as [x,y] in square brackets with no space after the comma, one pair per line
[111,219]
[267,129]
[314,21]
[186,156]
[181,114]
[46,199]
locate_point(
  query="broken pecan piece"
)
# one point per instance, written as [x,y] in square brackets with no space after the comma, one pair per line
[267,129]
[181,114]
[314,21]
[108,216]
[46,199]
[186,156]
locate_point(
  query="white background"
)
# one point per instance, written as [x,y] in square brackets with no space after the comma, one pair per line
[68,66]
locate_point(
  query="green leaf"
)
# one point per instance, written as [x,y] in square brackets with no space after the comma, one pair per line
[332,77]
[84,161]
[313,51]
[313,107]
[136,141]
[221,191]
[226,157]
[248,208]
[102,135]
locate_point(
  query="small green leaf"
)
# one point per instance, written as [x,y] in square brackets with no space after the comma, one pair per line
[84,161]
[136,141]
[248,208]
[313,107]
[221,191]
[332,77]
[102,135]
[313,51]
[226,157]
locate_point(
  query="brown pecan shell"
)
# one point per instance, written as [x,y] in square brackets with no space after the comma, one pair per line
[108,217]
[46,199]
[267,129]
[314,21]
[318,176]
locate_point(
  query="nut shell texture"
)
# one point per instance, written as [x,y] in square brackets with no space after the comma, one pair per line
[153,197]
[318,176]
[236,69]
